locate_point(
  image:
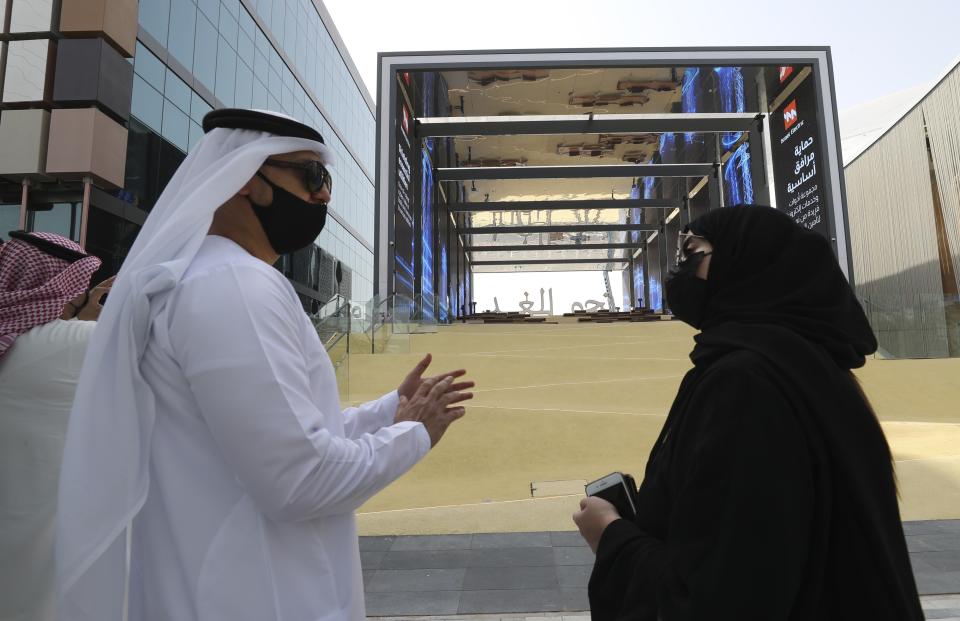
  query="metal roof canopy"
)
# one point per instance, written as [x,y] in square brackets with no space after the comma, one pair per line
[550,261]
[551,247]
[437,127]
[637,203]
[547,228]
[573,172]
[815,59]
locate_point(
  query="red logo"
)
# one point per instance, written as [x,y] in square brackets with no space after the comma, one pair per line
[405,120]
[785,72]
[790,114]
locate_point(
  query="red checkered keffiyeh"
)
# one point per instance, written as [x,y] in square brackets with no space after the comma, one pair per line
[35,286]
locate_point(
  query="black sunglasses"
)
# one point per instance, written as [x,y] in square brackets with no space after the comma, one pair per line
[314,173]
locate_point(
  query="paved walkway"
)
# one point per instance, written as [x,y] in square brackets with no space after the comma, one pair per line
[509,576]
[940,607]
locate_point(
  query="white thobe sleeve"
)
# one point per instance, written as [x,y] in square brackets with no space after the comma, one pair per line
[371,416]
[235,334]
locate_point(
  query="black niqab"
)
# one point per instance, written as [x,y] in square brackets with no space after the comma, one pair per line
[775,288]
[782,323]
[766,269]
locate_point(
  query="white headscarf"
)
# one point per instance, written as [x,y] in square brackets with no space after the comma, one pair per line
[105,473]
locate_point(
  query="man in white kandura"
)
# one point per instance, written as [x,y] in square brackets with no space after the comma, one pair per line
[209,473]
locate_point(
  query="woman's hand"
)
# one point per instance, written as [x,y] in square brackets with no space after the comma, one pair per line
[592,519]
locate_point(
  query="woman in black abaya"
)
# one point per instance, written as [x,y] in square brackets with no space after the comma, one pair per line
[770,493]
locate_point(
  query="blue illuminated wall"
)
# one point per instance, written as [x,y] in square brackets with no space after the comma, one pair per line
[426,237]
[690,99]
[737,179]
[638,283]
[693,95]
[649,190]
[429,105]
[444,302]
[404,271]
[636,213]
[656,292]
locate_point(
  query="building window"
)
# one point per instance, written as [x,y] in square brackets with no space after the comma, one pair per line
[154,16]
[9,218]
[205,53]
[176,126]
[60,218]
[183,21]
[147,104]
[109,238]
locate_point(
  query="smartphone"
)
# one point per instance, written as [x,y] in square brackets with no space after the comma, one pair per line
[618,489]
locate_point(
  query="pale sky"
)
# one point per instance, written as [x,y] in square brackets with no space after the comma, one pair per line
[880,47]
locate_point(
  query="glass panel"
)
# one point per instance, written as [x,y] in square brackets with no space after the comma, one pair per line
[178,92]
[109,238]
[183,21]
[290,32]
[196,133]
[211,8]
[149,67]
[176,126]
[31,15]
[154,17]
[245,48]
[168,162]
[26,70]
[231,7]
[244,86]
[140,186]
[277,19]
[147,104]
[198,108]
[9,219]
[226,73]
[260,100]
[59,220]
[247,24]
[275,84]
[228,27]
[261,66]
[205,53]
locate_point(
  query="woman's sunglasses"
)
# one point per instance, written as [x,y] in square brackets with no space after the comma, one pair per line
[315,175]
[682,240]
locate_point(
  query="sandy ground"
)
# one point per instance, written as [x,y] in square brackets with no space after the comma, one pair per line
[557,405]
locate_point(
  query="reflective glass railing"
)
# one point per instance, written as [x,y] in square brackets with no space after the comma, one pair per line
[922,326]
[332,323]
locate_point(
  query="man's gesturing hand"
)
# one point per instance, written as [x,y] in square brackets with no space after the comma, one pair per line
[431,405]
[413,379]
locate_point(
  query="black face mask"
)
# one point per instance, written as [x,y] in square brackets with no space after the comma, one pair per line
[289,221]
[687,294]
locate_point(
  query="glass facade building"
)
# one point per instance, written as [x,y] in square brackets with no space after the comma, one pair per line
[196,55]
[184,58]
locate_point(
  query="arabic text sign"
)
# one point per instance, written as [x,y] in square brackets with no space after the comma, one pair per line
[798,161]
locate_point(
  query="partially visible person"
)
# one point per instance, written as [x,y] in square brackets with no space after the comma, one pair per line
[770,493]
[46,318]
